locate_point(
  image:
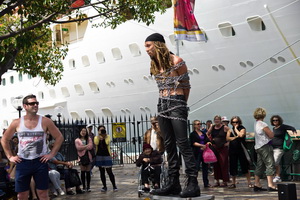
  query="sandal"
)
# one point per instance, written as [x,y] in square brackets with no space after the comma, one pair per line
[216,185]
[250,185]
[208,186]
[232,186]
[223,185]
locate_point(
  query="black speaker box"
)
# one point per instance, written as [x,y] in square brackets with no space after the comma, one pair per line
[287,191]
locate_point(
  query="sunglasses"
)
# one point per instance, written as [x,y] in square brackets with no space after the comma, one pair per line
[234,122]
[198,124]
[275,120]
[33,103]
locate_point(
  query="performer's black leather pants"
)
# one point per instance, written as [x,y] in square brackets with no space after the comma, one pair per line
[174,131]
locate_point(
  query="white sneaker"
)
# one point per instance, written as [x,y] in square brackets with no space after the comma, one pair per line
[55,193]
[277,179]
[61,192]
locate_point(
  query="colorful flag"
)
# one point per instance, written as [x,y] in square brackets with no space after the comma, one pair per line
[185,24]
[79,3]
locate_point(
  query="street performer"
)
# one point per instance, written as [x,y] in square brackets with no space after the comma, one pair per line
[172,78]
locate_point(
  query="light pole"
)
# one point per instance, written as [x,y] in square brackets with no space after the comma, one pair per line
[58,111]
[17,104]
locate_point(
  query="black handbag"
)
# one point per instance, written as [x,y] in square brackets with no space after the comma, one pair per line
[85,160]
[74,178]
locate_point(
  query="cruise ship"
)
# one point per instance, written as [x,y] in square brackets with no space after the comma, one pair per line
[250,59]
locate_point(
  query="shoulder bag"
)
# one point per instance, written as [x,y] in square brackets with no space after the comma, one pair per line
[245,150]
[208,155]
[288,142]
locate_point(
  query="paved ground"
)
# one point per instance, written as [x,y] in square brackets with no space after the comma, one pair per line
[126,178]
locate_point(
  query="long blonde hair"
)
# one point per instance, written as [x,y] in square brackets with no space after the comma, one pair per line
[163,59]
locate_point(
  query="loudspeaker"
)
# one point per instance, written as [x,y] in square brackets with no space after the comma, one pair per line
[287,191]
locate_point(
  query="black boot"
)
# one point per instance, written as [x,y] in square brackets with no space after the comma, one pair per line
[191,189]
[172,187]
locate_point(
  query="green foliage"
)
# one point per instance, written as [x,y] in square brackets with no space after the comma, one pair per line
[25,34]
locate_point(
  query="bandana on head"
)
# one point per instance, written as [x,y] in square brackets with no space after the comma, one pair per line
[155,37]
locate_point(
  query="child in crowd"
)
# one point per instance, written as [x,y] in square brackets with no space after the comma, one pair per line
[150,160]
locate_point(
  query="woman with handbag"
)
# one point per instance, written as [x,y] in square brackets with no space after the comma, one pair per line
[83,145]
[217,133]
[198,142]
[280,130]
[236,138]
[103,157]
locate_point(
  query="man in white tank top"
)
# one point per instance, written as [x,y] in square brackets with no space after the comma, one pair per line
[32,157]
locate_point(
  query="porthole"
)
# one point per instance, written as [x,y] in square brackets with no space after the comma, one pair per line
[256,23]
[281,59]
[249,63]
[134,49]
[221,67]
[196,71]
[85,61]
[273,60]
[242,64]
[215,68]
[226,29]
[100,57]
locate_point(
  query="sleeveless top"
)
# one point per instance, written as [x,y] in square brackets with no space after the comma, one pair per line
[219,136]
[32,142]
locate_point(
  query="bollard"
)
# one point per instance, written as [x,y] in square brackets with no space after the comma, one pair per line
[287,191]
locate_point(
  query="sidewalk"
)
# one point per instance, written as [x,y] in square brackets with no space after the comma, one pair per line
[126,179]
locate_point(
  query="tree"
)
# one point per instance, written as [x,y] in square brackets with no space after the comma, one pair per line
[25,34]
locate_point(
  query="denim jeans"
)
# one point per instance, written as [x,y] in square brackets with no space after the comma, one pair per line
[173,125]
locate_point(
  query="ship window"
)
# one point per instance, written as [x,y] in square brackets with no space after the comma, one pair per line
[52,93]
[226,29]
[78,89]
[5,123]
[215,68]
[41,95]
[4,103]
[65,92]
[3,82]
[74,115]
[116,52]
[85,61]
[196,71]
[249,63]
[256,23]
[100,57]
[72,63]
[221,67]
[134,49]
[20,77]
[69,32]
[107,112]
[242,64]
[145,78]
[147,109]
[11,79]
[94,87]
[90,113]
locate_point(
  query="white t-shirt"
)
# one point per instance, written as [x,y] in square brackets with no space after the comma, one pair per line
[153,139]
[261,137]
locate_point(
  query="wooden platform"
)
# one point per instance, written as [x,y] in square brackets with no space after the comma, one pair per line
[202,197]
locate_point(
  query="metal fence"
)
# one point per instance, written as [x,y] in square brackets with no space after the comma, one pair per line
[123,152]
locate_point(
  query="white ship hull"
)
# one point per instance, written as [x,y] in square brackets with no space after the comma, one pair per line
[125,87]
